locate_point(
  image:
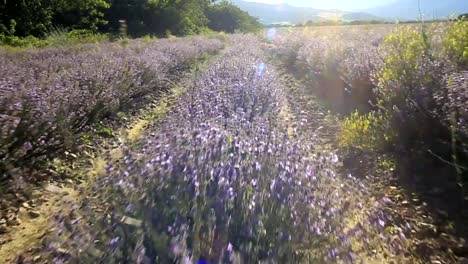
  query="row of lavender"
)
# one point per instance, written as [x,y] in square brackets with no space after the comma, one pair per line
[337,61]
[48,98]
[222,182]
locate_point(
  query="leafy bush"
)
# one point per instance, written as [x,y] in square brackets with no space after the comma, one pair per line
[55,38]
[411,76]
[62,38]
[36,17]
[456,43]
[225,16]
[84,14]
[366,132]
[27,42]
[25,18]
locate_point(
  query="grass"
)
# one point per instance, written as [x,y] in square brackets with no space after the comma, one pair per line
[57,37]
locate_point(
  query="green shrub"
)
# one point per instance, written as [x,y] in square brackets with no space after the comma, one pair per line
[411,76]
[149,38]
[367,132]
[55,38]
[227,17]
[399,77]
[86,36]
[424,109]
[456,42]
[61,38]
[26,42]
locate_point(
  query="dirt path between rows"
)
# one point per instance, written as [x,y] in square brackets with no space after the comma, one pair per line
[309,120]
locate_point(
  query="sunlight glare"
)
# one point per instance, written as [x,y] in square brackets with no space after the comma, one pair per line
[271,34]
[261,69]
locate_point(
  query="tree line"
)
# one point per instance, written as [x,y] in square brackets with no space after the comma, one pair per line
[139,17]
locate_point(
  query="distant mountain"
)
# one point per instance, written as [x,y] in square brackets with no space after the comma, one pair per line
[398,9]
[409,9]
[270,14]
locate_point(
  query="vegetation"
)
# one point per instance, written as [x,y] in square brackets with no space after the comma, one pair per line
[238,169]
[366,132]
[27,23]
[227,17]
[411,80]
[51,97]
[220,181]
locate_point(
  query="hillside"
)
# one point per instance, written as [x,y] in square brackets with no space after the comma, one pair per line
[398,9]
[269,14]
[409,9]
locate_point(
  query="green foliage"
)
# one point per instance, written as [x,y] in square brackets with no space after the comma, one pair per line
[406,52]
[456,42]
[55,38]
[413,91]
[463,17]
[26,42]
[407,83]
[86,36]
[139,17]
[153,17]
[84,14]
[225,16]
[36,17]
[367,132]
[25,17]
[193,17]
[62,38]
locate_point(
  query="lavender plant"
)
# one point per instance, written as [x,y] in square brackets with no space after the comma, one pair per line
[49,97]
[338,63]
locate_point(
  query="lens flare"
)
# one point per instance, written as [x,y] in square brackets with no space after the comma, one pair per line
[271,34]
[261,69]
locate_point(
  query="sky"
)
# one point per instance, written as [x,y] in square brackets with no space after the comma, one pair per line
[347,5]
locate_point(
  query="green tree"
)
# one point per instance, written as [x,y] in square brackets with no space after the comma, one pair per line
[132,11]
[157,16]
[142,17]
[193,17]
[224,16]
[83,14]
[25,17]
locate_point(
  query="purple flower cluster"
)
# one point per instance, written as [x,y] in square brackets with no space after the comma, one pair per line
[49,97]
[222,181]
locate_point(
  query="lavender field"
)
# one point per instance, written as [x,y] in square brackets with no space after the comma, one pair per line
[290,146]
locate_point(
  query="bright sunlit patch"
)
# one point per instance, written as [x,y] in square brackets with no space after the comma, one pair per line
[279,6]
[261,68]
[271,34]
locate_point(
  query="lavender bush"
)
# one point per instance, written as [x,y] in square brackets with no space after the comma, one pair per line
[338,63]
[49,97]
